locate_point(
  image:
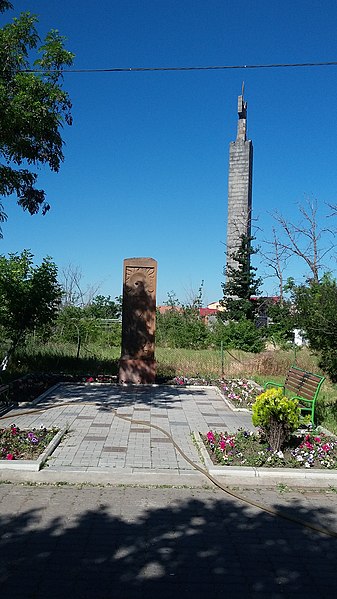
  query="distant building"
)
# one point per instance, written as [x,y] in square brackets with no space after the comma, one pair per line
[216,306]
[209,315]
[164,309]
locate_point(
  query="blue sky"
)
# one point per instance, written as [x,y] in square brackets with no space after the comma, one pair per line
[146,160]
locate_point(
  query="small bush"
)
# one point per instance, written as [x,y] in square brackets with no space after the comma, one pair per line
[277,416]
[240,335]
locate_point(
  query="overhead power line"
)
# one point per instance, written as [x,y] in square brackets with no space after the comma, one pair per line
[199,68]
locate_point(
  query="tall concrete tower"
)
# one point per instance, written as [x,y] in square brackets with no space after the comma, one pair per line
[239,184]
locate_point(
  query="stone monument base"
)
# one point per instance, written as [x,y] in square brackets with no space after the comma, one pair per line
[137,371]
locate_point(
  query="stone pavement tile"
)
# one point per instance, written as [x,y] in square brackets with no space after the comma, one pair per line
[145,556]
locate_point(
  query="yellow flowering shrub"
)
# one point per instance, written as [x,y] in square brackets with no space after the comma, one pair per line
[276,415]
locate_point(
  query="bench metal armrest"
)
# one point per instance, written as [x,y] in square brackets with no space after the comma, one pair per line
[303,400]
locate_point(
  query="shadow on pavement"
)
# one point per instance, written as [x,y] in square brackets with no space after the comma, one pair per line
[200,548]
[115,396]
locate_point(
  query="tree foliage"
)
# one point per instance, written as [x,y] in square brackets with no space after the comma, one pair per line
[316,311]
[29,295]
[243,335]
[104,307]
[33,108]
[282,321]
[97,322]
[241,283]
[182,325]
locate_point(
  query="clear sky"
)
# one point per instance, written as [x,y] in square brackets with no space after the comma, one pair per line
[146,160]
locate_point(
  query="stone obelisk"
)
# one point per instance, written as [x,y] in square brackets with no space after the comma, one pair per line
[137,364]
[239,185]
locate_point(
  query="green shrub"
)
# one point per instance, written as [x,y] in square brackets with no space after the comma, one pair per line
[277,416]
[316,312]
[239,335]
[281,327]
[182,328]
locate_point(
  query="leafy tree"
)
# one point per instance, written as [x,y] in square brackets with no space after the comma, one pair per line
[182,326]
[242,335]
[104,307]
[241,284]
[86,324]
[33,108]
[316,312]
[29,296]
[283,322]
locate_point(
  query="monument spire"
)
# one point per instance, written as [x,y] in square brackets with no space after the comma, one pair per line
[242,113]
[239,184]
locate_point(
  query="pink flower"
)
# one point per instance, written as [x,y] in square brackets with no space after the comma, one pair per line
[317,439]
[222,445]
[210,437]
[326,447]
[9,456]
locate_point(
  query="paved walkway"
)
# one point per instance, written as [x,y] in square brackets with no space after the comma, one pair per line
[100,443]
[140,543]
[124,542]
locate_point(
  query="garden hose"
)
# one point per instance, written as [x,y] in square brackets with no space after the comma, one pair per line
[215,481]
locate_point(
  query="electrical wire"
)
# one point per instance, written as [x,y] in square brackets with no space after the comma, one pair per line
[331,63]
[214,480]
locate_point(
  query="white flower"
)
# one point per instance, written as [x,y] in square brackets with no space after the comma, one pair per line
[307,465]
[299,458]
[280,454]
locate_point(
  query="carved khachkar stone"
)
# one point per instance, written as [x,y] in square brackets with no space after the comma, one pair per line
[239,185]
[137,363]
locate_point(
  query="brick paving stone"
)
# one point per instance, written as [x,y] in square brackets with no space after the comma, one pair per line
[102,542]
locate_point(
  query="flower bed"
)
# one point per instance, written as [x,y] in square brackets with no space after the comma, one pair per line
[240,392]
[246,448]
[100,378]
[17,444]
[182,381]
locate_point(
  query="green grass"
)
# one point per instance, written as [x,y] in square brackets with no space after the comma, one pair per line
[269,365]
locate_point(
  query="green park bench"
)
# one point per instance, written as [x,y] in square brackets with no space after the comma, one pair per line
[303,386]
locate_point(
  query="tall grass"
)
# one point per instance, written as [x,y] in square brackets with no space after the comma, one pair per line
[232,363]
[61,357]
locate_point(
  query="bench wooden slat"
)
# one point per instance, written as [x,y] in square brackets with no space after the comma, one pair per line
[305,386]
[311,388]
[296,380]
[300,372]
[309,385]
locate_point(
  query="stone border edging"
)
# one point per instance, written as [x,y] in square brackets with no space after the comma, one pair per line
[228,402]
[24,404]
[34,465]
